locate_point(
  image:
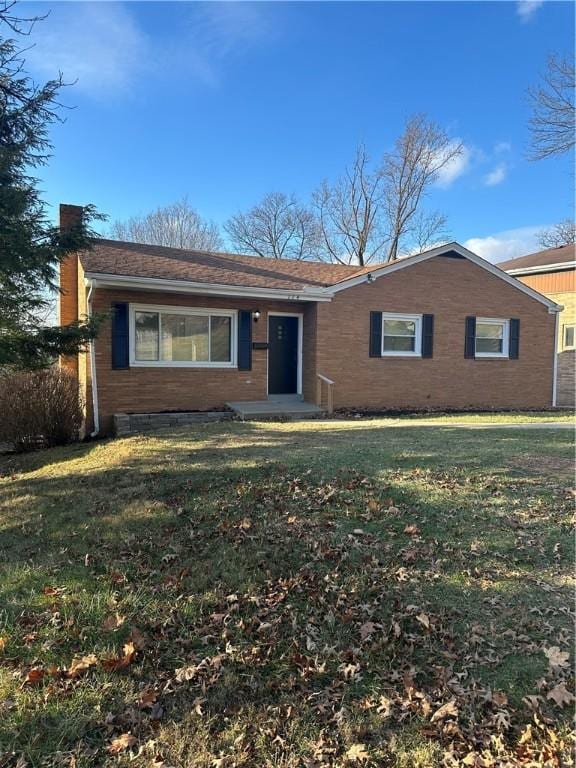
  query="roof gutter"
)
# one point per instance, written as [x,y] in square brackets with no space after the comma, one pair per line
[102,280]
[95,414]
[560,267]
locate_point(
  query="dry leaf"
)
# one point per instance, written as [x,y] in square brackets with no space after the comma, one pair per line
[147,698]
[113,621]
[556,657]
[120,743]
[357,753]
[137,639]
[446,710]
[561,695]
[412,529]
[79,666]
[34,676]
[367,629]
[423,619]
[3,641]
[120,662]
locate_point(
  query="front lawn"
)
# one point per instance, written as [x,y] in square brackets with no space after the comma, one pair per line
[289,595]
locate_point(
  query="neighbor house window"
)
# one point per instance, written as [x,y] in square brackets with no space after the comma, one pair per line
[569,338]
[186,337]
[492,337]
[401,334]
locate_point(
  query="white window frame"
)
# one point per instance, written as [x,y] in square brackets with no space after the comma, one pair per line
[505,323]
[177,310]
[417,320]
[564,329]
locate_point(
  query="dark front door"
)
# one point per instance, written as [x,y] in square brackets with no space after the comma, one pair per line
[282,355]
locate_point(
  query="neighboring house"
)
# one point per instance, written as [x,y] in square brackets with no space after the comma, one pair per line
[189,330]
[553,273]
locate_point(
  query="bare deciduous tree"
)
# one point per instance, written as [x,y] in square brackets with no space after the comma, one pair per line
[419,155]
[176,226]
[350,216]
[552,124]
[278,227]
[563,233]
[427,230]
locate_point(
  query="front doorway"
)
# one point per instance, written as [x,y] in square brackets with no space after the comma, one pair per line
[284,354]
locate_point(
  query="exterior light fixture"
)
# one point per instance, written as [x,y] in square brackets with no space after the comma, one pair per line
[256,315]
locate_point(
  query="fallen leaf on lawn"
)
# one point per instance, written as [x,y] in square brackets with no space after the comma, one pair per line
[367,629]
[423,619]
[120,743]
[79,666]
[357,753]
[3,641]
[51,591]
[115,663]
[561,695]
[113,621]
[137,639]
[373,505]
[384,707]
[412,529]
[246,524]
[34,676]
[446,710]
[556,657]
[147,698]
[499,698]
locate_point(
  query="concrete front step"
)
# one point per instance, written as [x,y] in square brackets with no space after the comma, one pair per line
[275,409]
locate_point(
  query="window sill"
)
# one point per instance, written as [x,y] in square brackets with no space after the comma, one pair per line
[416,355]
[178,364]
[490,356]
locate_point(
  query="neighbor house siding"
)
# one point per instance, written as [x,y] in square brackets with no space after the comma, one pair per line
[150,389]
[561,288]
[451,290]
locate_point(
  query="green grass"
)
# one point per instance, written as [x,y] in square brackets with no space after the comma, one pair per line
[299,594]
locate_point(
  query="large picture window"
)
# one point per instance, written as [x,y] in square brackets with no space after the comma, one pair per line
[491,338]
[401,334]
[174,336]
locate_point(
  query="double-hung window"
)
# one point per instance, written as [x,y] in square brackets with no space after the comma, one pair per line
[177,336]
[492,337]
[401,335]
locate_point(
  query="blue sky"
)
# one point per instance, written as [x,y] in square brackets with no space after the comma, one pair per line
[224,102]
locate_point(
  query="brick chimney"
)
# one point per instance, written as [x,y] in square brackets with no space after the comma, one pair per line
[70,217]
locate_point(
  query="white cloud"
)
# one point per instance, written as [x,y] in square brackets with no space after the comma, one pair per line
[98,44]
[454,168]
[506,245]
[496,176]
[501,147]
[527,8]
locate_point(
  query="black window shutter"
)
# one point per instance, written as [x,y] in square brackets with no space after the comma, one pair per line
[514,339]
[375,334]
[120,336]
[244,340]
[470,338]
[427,335]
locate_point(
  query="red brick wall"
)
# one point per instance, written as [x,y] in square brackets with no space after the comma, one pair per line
[157,389]
[336,343]
[450,289]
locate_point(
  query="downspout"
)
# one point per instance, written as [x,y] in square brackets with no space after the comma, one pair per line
[95,413]
[555,368]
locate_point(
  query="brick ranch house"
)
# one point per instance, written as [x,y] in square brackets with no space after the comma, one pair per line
[553,273]
[188,330]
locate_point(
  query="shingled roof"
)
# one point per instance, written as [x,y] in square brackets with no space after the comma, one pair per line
[561,255]
[113,257]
